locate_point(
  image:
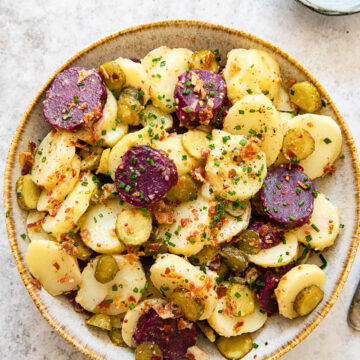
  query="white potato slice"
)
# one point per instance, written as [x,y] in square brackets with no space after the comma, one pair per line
[232,226]
[226,324]
[295,280]
[141,137]
[108,129]
[197,354]
[56,270]
[172,145]
[256,115]
[252,72]
[49,199]
[54,154]
[284,103]
[234,180]
[323,226]
[154,115]
[132,317]
[93,295]
[194,141]
[193,219]
[34,228]
[163,66]
[173,272]
[97,227]
[279,255]
[328,142]
[72,208]
[136,76]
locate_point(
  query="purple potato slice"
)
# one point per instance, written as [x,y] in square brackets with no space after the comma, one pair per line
[145,175]
[287,196]
[76,97]
[270,234]
[200,97]
[165,333]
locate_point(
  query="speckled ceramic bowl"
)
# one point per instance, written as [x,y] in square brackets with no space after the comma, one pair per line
[280,334]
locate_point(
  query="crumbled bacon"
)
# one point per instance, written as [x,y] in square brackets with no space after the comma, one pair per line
[69,248]
[205,152]
[162,212]
[198,84]
[329,169]
[238,325]
[103,305]
[221,291]
[36,283]
[206,114]
[83,74]
[290,83]
[248,151]
[56,265]
[198,174]
[184,222]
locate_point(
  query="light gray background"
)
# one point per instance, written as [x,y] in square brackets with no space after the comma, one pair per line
[37,36]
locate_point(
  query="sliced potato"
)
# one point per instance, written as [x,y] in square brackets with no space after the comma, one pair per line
[205,59]
[54,154]
[284,104]
[97,227]
[194,141]
[173,146]
[163,66]
[115,296]
[297,279]
[134,226]
[240,299]
[136,76]
[27,192]
[227,325]
[255,115]
[279,255]
[235,348]
[186,276]
[34,228]
[303,253]
[184,190]
[328,142]
[154,115]
[252,72]
[56,270]
[141,137]
[72,208]
[323,226]
[298,143]
[186,235]
[50,199]
[234,180]
[207,330]
[103,167]
[306,96]
[132,317]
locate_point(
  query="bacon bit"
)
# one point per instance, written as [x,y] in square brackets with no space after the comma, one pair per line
[238,325]
[247,152]
[205,153]
[198,84]
[132,257]
[190,356]
[166,328]
[206,114]
[331,227]
[264,230]
[83,74]
[162,212]
[36,283]
[167,271]
[301,184]
[208,59]
[56,265]
[165,312]
[185,221]
[65,279]
[329,170]
[234,68]
[32,147]
[212,211]
[309,124]
[56,208]
[290,83]
[26,158]
[69,248]
[221,291]
[103,305]
[198,174]
[182,324]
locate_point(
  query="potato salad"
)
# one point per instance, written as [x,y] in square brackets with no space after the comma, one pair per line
[174,198]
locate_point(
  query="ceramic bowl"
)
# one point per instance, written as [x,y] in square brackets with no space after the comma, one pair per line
[333,7]
[280,334]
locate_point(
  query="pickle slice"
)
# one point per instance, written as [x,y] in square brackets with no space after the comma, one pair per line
[190,307]
[308,299]
[185,189]
[298,143]
[249,242]
[101,321]
[240,299]
[112,75]
[234,258]
[205,59]
[90,158]
[236,208]
[147,351]
[205,255]
[306,96]
[116,338]
[207,330]
[28,192]
[103,167]
[194,141]
[106,269]
[235,347]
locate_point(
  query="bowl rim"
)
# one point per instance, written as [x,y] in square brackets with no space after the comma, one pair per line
[8,174]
